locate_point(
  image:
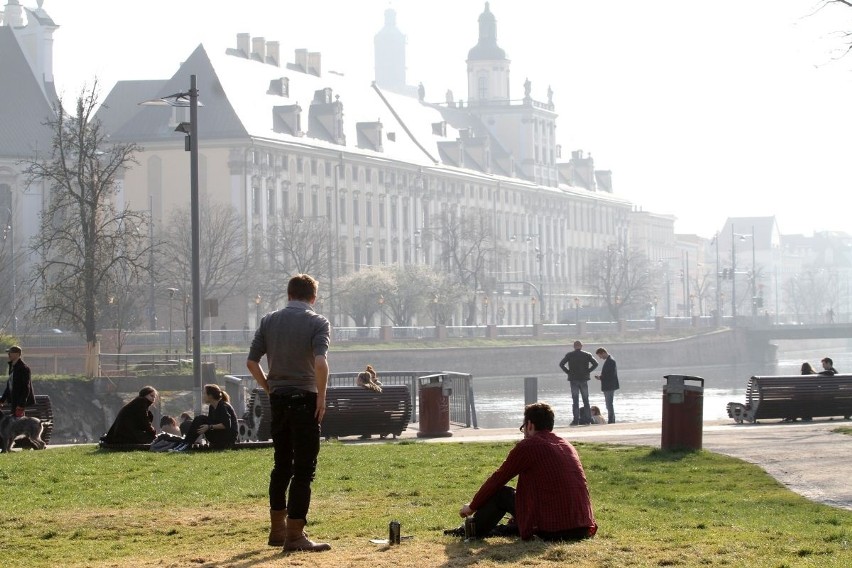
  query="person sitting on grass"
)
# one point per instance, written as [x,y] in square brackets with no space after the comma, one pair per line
[220,424]
[552,497]
[133,424]
[185,423]
[169,425]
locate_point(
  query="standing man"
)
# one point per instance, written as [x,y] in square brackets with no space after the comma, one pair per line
[19,387]
[609,381]
[552,499]
[580,365]
[295,341]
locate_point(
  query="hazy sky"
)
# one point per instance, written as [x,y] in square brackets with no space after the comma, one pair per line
[702,110]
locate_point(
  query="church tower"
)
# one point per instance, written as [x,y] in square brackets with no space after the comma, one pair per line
[389,45]
[487,66]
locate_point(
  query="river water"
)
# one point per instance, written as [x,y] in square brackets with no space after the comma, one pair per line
[500,401]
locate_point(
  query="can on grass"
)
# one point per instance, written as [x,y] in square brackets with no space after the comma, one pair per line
[469,527]
[393,532]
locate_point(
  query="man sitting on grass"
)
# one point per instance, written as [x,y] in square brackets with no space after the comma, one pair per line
[552,499]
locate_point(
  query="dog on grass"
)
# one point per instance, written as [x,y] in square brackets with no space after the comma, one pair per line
[27,427]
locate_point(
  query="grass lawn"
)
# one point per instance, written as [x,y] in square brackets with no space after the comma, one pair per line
[82,507]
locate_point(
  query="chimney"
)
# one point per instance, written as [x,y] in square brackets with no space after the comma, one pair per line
[258,49]
[302,60]
[314,66]
[243,41]
[604,180]
[273,53]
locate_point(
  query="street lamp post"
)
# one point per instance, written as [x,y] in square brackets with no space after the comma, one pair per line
[172,292]
[257,309]
[576,310]
[190,99]
[10,229]
[734,270]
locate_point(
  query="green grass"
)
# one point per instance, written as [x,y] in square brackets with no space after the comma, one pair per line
[82,507]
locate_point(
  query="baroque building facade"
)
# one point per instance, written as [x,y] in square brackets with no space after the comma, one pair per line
[276,145]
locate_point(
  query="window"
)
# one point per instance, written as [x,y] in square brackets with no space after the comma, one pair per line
[482,87]
[300,165]
[341,209]
[328,169]
[300,204]
[368,213]
[381,214]
[355,170]
[356,218]
[256,200]
[313,166]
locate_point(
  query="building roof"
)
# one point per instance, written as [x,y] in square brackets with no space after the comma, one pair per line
[24,109]
[123,99]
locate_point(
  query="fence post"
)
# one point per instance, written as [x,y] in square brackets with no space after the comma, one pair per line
[530,390]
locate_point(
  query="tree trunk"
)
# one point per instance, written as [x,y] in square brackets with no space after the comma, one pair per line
[93,352]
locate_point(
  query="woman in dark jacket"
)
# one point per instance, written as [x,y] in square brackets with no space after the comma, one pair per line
[220,424]
[133,425]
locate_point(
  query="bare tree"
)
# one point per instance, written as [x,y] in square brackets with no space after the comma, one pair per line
[622,279]
[84,237]
[467,244]
[224,262]
[296,245]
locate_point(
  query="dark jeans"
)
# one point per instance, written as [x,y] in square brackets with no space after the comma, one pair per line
[492,512]
[192,432]
[610,410]
[296,439]
[579,388]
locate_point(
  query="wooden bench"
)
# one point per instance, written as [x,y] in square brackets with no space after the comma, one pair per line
[794,396]
[43,410]
[349,411]
[353,411]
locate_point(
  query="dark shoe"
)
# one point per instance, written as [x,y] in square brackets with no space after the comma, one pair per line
[575,423]
[458,531]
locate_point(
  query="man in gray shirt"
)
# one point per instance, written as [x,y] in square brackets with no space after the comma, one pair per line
[295,341]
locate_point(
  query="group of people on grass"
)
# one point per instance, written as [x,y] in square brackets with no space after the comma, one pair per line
[134,423]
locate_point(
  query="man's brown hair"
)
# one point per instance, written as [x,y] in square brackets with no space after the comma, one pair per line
[302,287]
[601,351]
[540,414]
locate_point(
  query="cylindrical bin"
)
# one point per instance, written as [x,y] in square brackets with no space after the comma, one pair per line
[683,412]
[434,407]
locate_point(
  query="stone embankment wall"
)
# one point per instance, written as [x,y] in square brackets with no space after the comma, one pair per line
[715,348]
[82,412]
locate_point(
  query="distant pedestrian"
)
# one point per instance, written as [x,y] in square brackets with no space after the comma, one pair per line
[609,381]
[19,387]
[580,365]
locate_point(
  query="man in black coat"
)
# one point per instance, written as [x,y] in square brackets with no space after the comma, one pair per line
[609,381]
[580,365]
[19,387]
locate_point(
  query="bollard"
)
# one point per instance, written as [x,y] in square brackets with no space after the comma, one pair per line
[530,390]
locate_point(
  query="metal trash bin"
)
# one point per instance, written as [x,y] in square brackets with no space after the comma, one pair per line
[434,410]
[683,412]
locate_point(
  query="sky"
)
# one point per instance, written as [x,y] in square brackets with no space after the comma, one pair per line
[702,110]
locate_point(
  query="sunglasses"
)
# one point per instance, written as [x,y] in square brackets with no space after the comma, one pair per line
[524,425]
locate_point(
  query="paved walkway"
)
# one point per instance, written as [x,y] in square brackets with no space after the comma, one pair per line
[807,457]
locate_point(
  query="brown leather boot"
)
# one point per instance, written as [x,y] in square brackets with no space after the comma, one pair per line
[277,527]
[296,539]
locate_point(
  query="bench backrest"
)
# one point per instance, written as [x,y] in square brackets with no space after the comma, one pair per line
[356,410]
[797,396]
